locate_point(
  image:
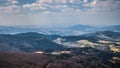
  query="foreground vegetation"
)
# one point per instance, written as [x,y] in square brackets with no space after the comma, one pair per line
[90,58]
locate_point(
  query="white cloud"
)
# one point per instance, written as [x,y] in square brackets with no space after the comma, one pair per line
[41,6]
[13,1]
[34,6]
[59,12]
[9,6]
[93,3]
[8,2]
[10,9]
[85,1]
[107,7]
[58,5]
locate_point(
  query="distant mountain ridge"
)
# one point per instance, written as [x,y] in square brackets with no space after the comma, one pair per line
[90,29]
[84,27]
[67,31]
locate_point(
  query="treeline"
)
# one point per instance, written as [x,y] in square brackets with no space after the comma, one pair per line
[32,60]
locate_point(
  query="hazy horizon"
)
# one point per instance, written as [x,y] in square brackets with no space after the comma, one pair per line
[57,26]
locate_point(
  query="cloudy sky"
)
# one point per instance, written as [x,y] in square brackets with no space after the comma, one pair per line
[59,12]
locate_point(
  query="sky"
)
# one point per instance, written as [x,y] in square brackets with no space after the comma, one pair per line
[59,12]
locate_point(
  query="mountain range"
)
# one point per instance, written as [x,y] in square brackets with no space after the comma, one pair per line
[66,31]
[27,42]
[60,48]
[31,41]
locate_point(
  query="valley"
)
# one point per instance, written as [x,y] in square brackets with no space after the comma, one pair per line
[99,49]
